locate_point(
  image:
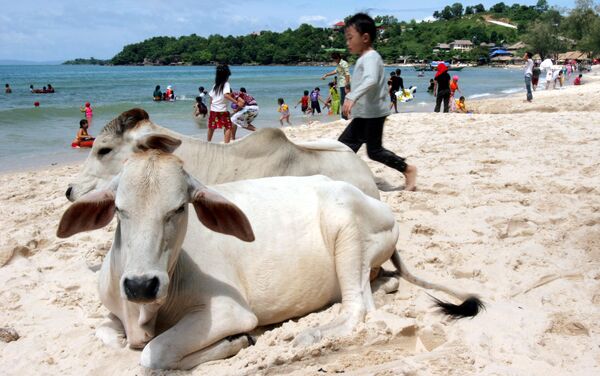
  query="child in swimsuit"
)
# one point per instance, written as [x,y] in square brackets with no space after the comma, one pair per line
[284,110]
[82,133]
[89,113]
[304,102]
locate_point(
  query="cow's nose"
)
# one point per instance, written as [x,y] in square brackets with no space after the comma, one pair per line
[141,289]
[68,193]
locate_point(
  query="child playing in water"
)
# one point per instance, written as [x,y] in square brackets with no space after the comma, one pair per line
[333,99]
[284,110]
[89,113]
[367,102]
[304,103]
[82,133]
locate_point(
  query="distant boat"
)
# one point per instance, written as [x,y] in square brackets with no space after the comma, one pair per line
[433,66]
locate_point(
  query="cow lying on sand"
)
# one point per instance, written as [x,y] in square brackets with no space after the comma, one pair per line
[267,152]
[188,299]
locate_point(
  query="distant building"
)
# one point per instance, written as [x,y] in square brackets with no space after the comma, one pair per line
[516,47]
[487,45]
[461,45]
[339,25]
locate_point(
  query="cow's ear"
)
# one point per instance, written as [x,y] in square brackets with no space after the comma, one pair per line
[92,211]
[219,214]
[158,141]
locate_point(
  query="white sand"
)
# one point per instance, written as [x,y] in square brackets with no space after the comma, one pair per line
[508,206]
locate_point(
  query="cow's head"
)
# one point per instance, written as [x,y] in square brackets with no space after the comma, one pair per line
[115,143]
[150,198]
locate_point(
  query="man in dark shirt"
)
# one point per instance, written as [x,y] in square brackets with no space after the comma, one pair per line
[400,80]
[442,87]
[394,85]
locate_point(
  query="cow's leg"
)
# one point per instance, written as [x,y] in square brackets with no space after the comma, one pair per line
[353,277]
[111,332]
[198,336]
[219,350]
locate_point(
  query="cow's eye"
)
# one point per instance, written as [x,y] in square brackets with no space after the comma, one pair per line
[104,151]
[180,209]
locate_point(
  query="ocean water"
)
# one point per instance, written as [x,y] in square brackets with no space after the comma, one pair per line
[31,136]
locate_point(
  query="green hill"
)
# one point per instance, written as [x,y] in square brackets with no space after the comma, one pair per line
[540,25]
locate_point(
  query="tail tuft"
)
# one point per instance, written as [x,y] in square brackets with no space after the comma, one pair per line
[469,308]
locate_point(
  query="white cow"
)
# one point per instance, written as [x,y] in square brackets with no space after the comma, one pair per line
[188,299]
[266,152]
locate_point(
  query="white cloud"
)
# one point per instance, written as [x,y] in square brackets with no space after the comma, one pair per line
[315,20]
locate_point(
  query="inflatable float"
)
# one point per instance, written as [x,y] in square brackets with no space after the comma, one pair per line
[406,95]
[82,144]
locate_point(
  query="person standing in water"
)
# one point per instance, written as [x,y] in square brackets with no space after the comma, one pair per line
[367,103]
[342,71]
[7,89]
[528,74]
[89,113]
[157,95]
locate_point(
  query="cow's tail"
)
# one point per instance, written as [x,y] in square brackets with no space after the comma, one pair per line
[471,305]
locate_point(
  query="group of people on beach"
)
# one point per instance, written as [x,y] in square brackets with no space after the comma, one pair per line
[554,74]
[365,102]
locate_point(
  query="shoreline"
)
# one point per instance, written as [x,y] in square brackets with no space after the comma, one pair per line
[506,207]
[498,104]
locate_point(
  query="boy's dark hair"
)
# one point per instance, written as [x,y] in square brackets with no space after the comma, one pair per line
[330,84]
[462,98]
[157,87]
[336,55]
[280,101]
[580,75]
[317,89]
[529,54]
[6,85]
[305,92]
[392,73]
[201,89]
[364,24]
[243,89]
[398,71]
[221,77]
[82,122]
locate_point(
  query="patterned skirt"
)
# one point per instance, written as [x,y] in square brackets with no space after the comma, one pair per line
[219,120]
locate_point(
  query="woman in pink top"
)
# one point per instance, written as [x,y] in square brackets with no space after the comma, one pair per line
[89,113]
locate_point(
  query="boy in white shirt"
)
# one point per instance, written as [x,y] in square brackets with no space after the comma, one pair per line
[367,102]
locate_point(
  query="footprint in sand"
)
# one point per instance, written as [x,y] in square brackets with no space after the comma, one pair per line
[514,228]
[432,337]
[564,324]
[423,230]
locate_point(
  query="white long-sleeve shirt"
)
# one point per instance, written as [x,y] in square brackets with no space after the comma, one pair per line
[369,87]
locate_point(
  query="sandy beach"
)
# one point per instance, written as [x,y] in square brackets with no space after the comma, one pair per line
[507,206]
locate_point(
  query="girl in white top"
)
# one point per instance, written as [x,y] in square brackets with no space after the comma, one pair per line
[220,93]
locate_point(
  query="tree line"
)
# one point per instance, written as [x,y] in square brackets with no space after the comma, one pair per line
[546,30]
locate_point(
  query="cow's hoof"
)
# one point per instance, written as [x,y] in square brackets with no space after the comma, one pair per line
[307,337]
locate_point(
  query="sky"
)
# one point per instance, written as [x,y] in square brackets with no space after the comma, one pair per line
[56,30]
